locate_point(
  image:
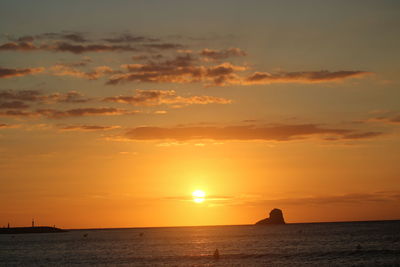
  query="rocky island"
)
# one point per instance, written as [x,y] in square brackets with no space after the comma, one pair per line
[275,217]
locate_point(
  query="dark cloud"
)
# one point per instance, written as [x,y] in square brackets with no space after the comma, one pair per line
[78,43]
[24,95]
[60,114]
[8,73]
[388,119]
[80,112]
[181,69]
[61,46]
[302,77]
[39,97]
[69,97]
[378,197]
[222,54]
[18,113]
[169,97]
[242,133]
[68,36]
[86,128]
[18,46]
[363,135]
[164,46]
[79,48]
[13,105]
[129,38]
[75,37]
[66,70]
[188,69]
[6,126]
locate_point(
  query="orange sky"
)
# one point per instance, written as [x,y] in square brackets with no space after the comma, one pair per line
[109,118]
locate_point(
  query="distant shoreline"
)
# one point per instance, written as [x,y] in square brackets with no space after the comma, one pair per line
[31,230]
[227,225]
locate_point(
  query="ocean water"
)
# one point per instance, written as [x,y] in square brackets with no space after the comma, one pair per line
[314,244]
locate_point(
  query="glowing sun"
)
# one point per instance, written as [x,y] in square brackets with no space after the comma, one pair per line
[198,196]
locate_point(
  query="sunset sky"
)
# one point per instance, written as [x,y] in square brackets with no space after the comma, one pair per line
[113,112]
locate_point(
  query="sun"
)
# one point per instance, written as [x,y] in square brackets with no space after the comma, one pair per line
[199,196]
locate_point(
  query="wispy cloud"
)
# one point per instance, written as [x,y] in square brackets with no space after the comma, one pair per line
[169,97]
[320,200]
[39,97]
[60,114]
[181,69]
[246,133]
[15,72]
[222,54]
[13,105]
[65,70]
[78,43]
[190,69]
[302,77]
[8,126]
[87,128]
[386,118]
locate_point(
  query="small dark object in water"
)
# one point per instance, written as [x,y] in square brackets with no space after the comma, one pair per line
[216,254]
[359,246]
[85,235]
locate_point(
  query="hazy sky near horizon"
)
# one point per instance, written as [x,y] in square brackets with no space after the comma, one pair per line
[113,112]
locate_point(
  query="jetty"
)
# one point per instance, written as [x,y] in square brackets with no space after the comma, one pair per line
[31,230]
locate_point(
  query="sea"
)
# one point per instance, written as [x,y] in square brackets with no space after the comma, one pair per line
[310,244]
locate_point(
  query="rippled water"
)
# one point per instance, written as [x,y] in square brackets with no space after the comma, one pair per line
[324,244]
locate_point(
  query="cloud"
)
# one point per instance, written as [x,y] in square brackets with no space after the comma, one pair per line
[212,198]
[8,126]
[129,38]
[79,112]
[258,200]
[39,97]
[169,97]
[244,133]
[352,198]
[13,105]
[344,199]
[181,69]
[69,36]
[18,113]
[69,97]
[78,43]
[79,49]
[65,70]
[189,69]
[301,77]
[8,73]
[388,119]
[222,54]
[164,46]
[60,114]
[86,128]
[24,95]
[66,47]
[19,46]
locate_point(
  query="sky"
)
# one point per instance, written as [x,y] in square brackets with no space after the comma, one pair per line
[113,112]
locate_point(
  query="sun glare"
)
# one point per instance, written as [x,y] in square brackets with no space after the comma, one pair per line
[198,196]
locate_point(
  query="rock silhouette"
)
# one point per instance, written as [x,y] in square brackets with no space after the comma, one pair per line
[275,217]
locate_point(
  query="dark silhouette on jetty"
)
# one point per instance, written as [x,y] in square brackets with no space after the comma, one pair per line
[31,230]
[275,217]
